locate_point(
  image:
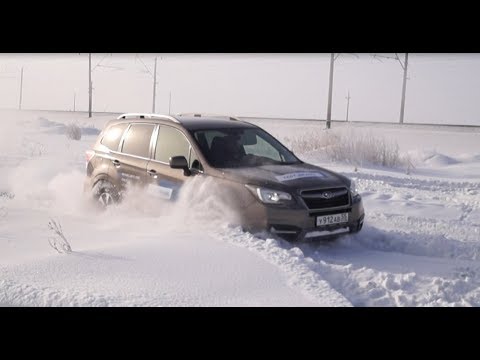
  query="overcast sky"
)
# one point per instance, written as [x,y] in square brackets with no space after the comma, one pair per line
[442,88]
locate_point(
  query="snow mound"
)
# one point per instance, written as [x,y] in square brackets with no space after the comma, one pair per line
[439,160]
[469,158]
[53,127]
[16,294]
[431,158]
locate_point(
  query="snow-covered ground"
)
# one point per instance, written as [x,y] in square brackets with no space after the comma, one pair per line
[420,245]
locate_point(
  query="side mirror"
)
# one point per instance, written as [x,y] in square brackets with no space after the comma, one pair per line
[179,162]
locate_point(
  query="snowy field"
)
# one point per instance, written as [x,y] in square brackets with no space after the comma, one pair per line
[420,245]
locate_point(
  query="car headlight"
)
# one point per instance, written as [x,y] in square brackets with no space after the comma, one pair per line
[269,196]
[353,188]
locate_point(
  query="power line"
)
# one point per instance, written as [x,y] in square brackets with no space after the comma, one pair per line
[146,67]
[111,67]
[379,57]
[98,64]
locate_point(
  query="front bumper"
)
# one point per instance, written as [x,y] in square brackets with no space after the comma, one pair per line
[300,224]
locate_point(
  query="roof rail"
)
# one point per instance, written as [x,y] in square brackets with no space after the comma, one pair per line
[147,116]
[229,117]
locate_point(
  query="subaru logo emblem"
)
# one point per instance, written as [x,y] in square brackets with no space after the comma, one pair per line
[327,195]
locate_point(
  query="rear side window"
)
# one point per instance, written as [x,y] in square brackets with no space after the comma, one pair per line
[137,140]
[113,135]
[171,142]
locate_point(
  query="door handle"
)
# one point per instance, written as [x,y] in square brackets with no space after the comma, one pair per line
[152,172]
[116,163]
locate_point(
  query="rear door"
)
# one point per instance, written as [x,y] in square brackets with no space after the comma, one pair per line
[130,162]
[101,165]
[165,182]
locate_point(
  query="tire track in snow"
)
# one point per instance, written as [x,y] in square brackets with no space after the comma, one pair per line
[414,242]
[290,259]
[367,285]
[352,267]
[411,182]
[412,229]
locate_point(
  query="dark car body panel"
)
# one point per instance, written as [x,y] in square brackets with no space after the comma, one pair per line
[277,176]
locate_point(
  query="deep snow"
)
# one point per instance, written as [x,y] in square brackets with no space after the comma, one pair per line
[420,245]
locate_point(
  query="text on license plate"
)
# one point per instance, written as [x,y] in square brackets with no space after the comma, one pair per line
[332,219]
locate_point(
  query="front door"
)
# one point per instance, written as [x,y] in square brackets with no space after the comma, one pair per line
[164,181]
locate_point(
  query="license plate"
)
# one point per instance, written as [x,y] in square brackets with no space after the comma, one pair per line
[332,219]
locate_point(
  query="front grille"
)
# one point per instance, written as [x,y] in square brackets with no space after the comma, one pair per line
[326,198]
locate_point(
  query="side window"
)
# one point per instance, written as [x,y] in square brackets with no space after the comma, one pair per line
[137,140]
[113,135]
[171,142]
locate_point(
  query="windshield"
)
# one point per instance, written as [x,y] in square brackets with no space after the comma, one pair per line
[230,148]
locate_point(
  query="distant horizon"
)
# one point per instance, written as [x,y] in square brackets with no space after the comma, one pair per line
[441,88]
[257,117]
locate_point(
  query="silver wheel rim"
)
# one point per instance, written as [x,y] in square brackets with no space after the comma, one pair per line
[105,199]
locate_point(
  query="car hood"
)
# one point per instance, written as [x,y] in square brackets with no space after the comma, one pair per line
[288,177]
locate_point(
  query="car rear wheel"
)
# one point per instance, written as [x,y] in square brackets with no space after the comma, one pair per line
[105,193]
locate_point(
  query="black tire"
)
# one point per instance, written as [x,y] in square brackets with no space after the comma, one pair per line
[105,194]
[357,227]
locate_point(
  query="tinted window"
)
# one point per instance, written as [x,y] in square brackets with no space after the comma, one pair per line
[137,140]
[235,147]
[264,149]
[113,135]
[171,142]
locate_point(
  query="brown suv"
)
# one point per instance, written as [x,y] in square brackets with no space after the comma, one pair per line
[269,187]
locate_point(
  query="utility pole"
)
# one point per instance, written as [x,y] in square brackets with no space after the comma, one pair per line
[348,103]
[330,88]
[154,85]
[404,88]
[21,90]
[154,76]
[90,85]
[170,103]
[404,66]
